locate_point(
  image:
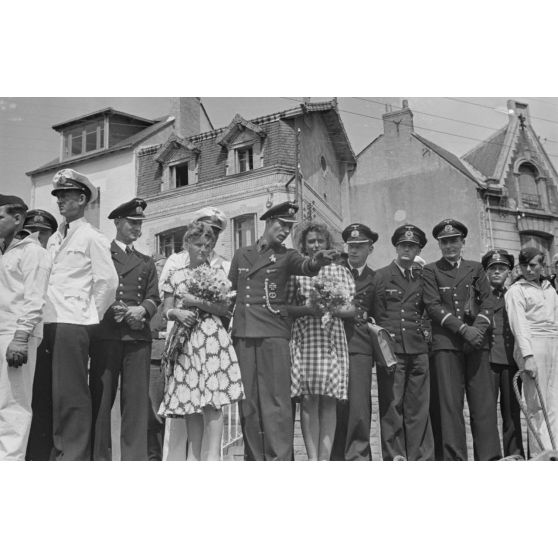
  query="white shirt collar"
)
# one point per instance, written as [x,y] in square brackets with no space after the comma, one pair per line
[402,269]
[123,246]
[458,262]
[359,269]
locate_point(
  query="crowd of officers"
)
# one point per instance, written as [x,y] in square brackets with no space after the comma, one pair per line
[76,312]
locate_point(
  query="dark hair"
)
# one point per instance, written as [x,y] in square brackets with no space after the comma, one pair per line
[199,229]
[15,209]
[527,254]
[312,226]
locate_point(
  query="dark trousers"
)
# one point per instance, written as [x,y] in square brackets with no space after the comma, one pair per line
[352,432]
[266,413]
[454,374]
[130,361]
[404,401]
[155,424]
[39,446]
[502,376]
[71,402]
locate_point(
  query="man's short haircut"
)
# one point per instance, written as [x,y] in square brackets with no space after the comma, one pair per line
[527,254]
[16,209]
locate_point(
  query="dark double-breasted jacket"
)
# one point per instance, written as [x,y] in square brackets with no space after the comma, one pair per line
[447,294]
[367,304]
[501,339]
[137,286]
[404,309]
[259,277]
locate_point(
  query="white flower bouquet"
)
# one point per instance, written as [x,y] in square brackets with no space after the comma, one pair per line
[326,296]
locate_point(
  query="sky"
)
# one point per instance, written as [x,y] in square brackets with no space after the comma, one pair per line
[28,141]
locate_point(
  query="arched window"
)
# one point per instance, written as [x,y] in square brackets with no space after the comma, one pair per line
[528,185]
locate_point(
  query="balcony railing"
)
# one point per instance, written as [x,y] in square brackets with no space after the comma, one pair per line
[532,201]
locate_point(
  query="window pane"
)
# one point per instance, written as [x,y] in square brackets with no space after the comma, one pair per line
[77,142]
[91,140]
[244,231]
[181,175]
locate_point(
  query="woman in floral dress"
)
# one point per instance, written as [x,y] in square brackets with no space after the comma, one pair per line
[319,352]
[204,376]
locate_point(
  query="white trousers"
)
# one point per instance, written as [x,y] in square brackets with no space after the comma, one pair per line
[16,392]
[545,350]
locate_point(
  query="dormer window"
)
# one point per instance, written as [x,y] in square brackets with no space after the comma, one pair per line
[84,138]
[179,175]
[244,159]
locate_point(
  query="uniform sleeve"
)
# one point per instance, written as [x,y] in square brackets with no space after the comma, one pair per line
[433,303]
[487,301]
[152,300]
[515,308]
[301,265]
[105,277]
[35,267]
[233,272]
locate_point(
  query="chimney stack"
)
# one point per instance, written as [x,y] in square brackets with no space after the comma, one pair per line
[186,112]
[399,123]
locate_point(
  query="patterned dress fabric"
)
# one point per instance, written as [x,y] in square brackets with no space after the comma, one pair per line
[319,354]
[206,371]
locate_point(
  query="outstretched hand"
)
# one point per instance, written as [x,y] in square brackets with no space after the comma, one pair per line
[325,257]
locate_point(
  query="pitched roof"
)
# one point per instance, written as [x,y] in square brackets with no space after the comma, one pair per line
[127,143]
[108,111]
[486,155]
[452,159]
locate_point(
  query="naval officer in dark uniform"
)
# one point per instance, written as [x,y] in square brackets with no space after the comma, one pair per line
[461,306]
[404,393]
[261,330]
[352,433]
[498,265]
[39,221]
[121,343]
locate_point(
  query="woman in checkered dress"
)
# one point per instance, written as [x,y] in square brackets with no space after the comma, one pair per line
[319,353]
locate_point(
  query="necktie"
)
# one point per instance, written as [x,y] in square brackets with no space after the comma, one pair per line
[354,271]
[408,274]
[65,229]
[128,250]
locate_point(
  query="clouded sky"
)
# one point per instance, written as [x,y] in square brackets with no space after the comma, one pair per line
[28,141]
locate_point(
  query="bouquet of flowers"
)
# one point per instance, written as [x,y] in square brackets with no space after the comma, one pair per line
[326,296]
[204,283]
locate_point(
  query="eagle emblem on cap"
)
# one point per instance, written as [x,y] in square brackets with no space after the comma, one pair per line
[354,233]
[409,234]
[291,211]
[37,219]
[448,228]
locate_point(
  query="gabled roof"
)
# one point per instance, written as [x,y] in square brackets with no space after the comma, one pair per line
[452,159]
[127,143]
[109,111]
[485,156]
[173,143]
[232,130]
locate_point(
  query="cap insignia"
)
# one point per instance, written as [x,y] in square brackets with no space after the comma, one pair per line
[448,228]
[291,211]
[138,210]
[409,234]
[354,233]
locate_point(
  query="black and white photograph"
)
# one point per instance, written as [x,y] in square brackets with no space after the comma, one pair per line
[235,234]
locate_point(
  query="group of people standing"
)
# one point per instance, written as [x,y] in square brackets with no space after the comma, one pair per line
[458,328]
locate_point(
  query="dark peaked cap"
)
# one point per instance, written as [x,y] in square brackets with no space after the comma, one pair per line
[497,257]
[449,227]
[40,219]
[357,233]
[285,211]
[132,209]
[409,233]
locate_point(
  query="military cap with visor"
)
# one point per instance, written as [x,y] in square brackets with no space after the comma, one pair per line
[284,211]
[448,228]
[69,179]
[41,220]
[497,256]
[212,216]
[409,233]
[357,233]
[132,210]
